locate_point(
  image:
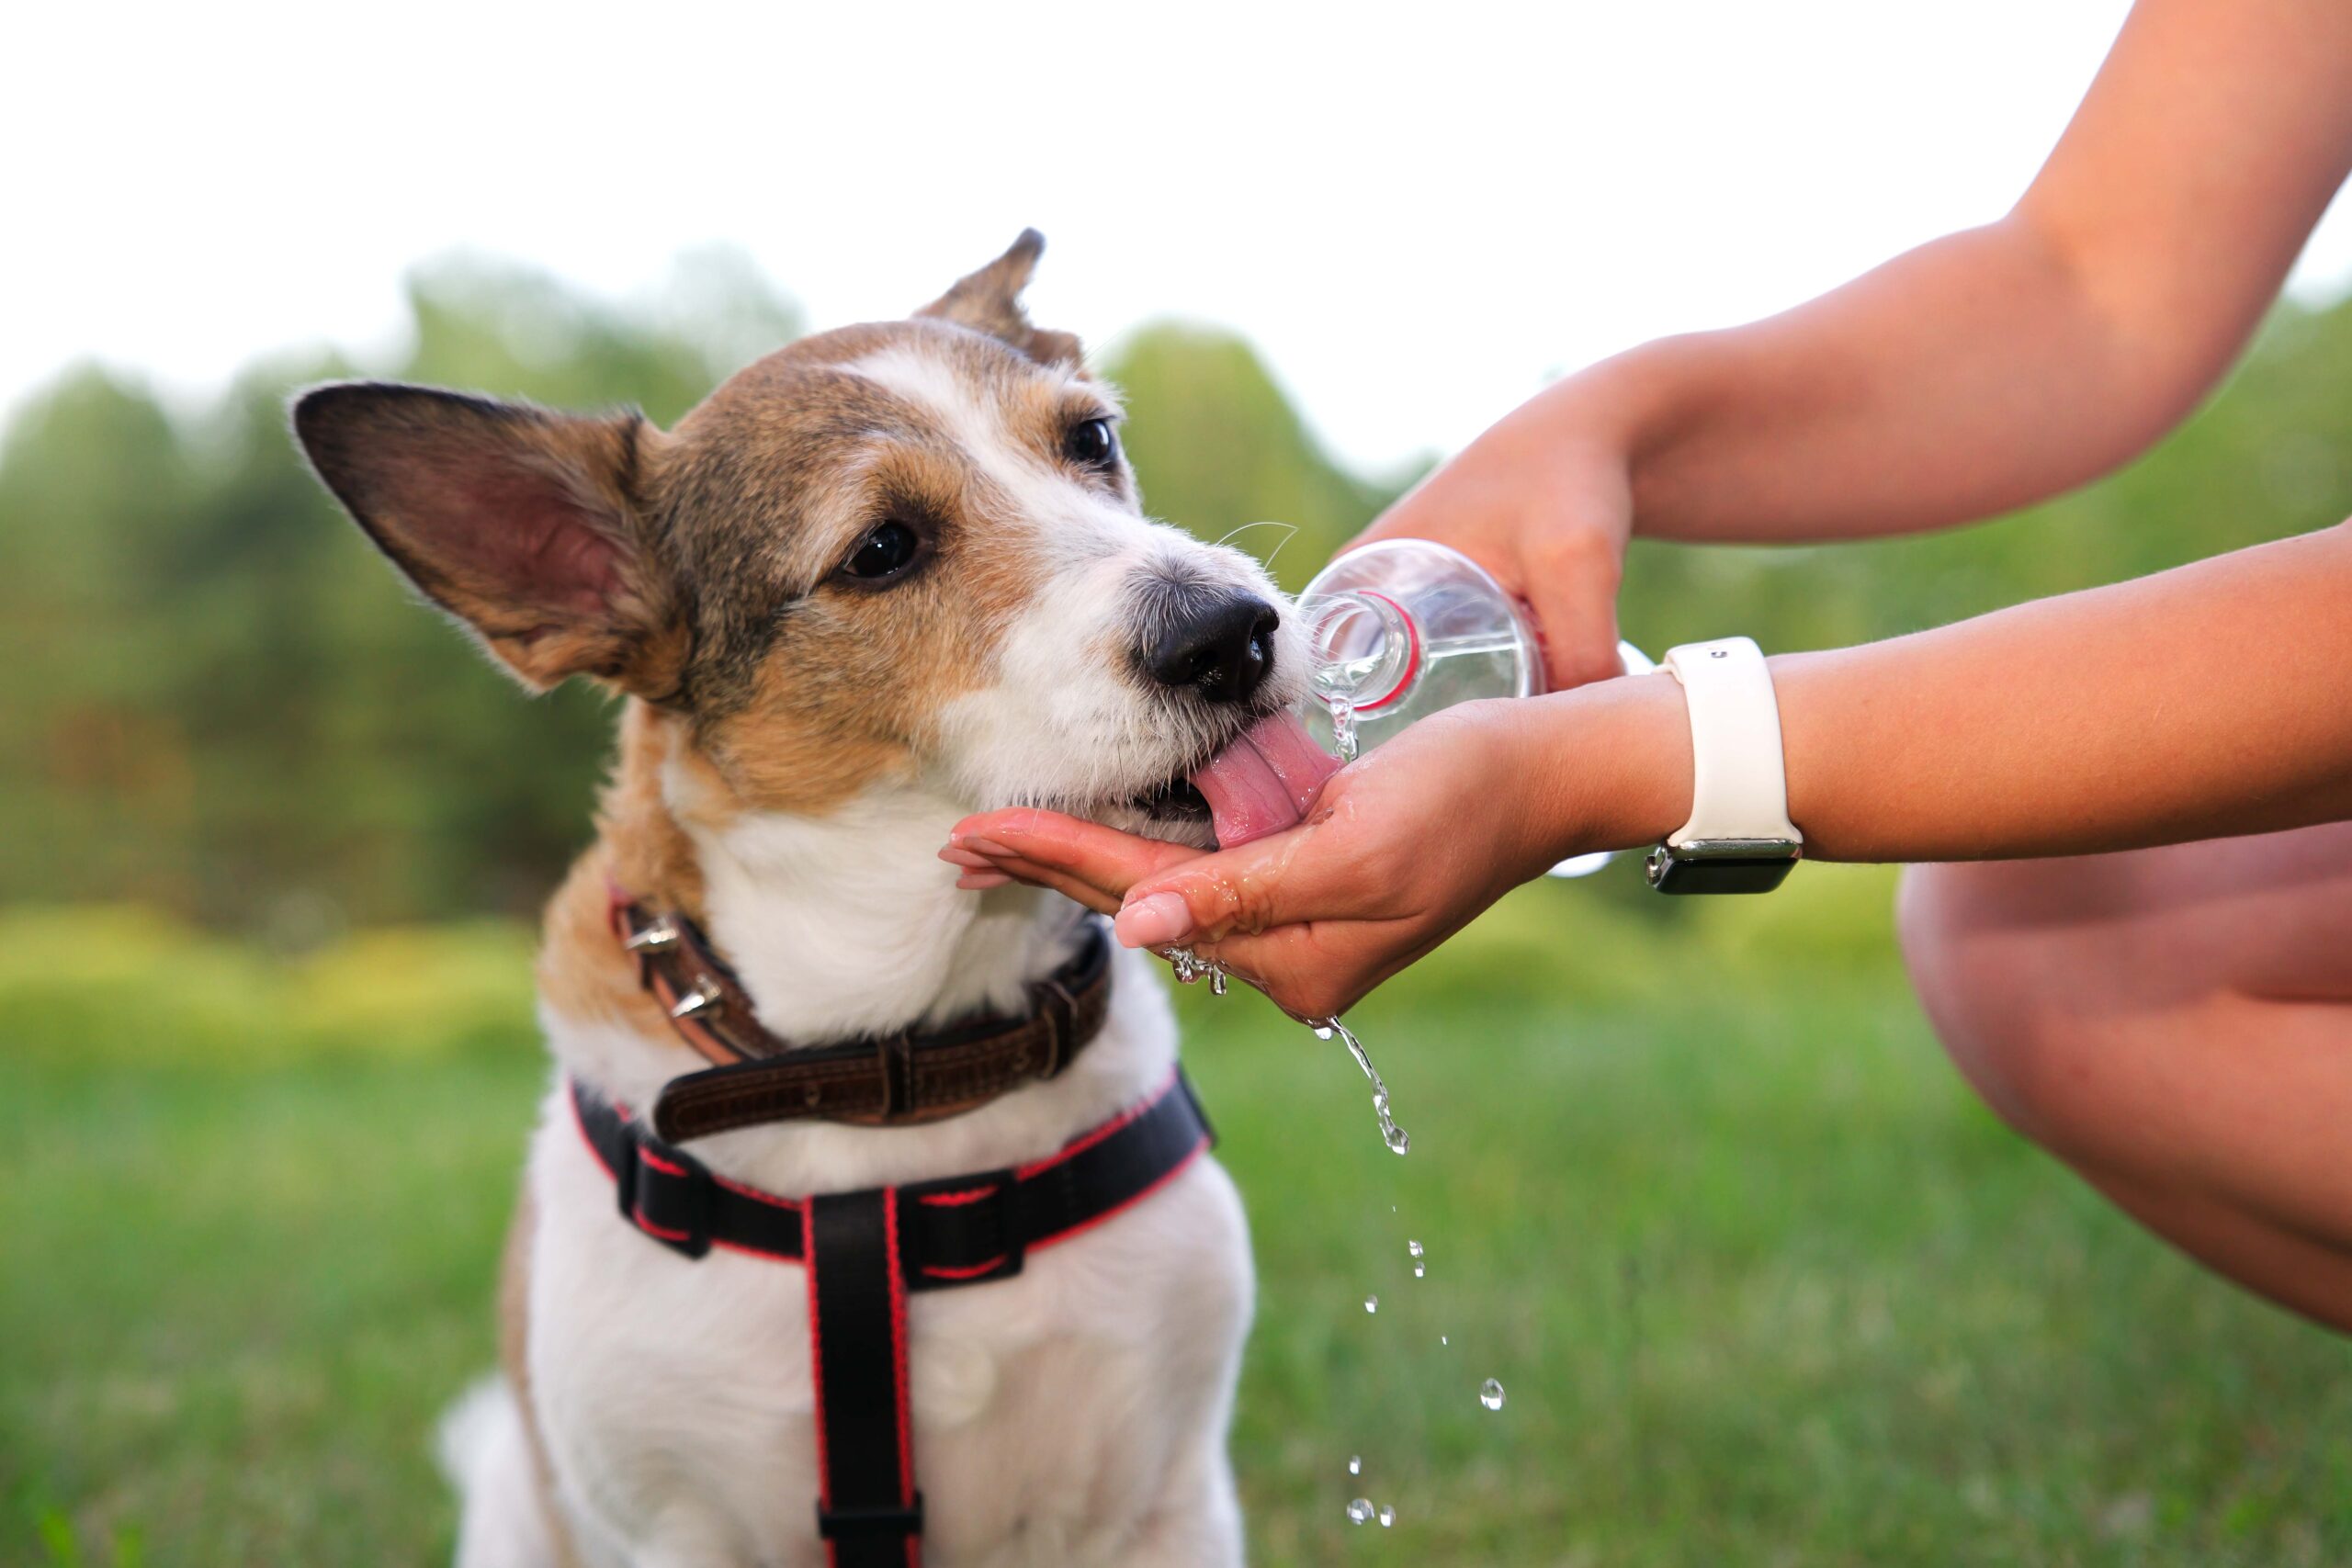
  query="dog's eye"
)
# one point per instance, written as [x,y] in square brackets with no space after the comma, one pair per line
[886,552]
[1092,443]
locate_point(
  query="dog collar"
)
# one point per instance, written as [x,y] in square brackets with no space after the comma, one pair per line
[897,1079]
[865,1251]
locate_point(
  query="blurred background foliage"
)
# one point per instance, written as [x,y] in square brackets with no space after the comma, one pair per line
[227,707]
[1765,1282]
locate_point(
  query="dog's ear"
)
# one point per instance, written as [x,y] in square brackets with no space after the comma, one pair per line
[526,526]
[989,302]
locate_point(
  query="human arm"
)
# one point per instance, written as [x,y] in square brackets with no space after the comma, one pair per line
[1978,373]
[2210,700]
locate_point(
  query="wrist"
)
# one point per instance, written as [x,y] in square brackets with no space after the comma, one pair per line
[1609,766]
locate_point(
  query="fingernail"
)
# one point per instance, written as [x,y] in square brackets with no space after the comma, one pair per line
[1148,922]
[981,881]
[989,847]
[968,859]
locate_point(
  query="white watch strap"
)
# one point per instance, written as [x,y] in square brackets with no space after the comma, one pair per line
[1739,787]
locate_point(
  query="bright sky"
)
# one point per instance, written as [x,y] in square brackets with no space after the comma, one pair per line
[1418,218]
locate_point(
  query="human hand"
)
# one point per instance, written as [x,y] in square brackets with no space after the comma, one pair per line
[1544,501]
[1400,851]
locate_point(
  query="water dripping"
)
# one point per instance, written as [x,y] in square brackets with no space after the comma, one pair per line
[1360,1511]
[1413,1250]
[1372,1304]
[1387,1517]
[1397,1138]
[1343,725]
[1490,1395]
[1355,1464]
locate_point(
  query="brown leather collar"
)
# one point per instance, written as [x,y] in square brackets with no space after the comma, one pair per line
[896,1080]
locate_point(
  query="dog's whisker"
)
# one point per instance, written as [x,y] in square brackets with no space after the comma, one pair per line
[1232,534]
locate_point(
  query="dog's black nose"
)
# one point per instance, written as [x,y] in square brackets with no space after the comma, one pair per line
[1223,649]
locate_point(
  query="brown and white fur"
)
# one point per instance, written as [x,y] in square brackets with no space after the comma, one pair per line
[794,742]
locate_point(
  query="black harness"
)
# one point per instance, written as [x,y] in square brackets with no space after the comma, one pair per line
[864,1251]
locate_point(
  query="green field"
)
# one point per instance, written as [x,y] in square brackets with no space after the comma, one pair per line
[1763,1284]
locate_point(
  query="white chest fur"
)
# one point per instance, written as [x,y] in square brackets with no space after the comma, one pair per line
[1075,1412]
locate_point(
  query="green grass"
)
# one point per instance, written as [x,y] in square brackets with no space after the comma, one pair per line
[1763,1284]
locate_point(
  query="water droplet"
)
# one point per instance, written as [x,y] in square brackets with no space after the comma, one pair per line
[1217,978]
[1399,1141]
[1343,725]
[1360,1511]
[1420,1269]
[1443,1340]
[1372,1304]
[1355,1464]
[1490,1395]
[1388,1516]
[1412,1249]
[1322,1031]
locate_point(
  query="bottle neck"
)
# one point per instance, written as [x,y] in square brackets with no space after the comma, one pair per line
[1366,649]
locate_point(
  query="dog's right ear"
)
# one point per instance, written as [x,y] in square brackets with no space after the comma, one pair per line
[526,526]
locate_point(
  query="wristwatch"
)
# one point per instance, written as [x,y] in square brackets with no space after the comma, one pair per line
[1740,838]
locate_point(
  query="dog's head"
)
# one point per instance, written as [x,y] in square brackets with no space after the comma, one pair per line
[911,551]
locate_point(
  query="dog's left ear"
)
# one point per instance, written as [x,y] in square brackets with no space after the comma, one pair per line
[989,302]
[527,527]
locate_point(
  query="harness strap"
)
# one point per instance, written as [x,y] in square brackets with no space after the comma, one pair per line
[868,1512]
[866,1251]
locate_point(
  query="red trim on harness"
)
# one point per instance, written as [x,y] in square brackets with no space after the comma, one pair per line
[954,1200]
[667,1168]
[1178,1169]
[898,1369]
[1085,1141]
[636,1212]
[748,1250]
[968,1271]
[770,1198]
[816,1374]
[588,1143]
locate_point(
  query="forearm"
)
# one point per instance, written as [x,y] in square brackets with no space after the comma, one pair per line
[2212,700]
[1962,379]
[2004,364]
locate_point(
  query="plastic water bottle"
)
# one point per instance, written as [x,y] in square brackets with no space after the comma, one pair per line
[1401,628]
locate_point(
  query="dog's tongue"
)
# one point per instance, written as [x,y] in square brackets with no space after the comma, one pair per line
[1263,782]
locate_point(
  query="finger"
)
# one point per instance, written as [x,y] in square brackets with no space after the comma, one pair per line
[1075,889]
[1572,587]
[1102,858]
[1302,873]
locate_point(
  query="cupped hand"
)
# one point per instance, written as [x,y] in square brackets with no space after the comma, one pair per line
[1400,851]
[1544,501]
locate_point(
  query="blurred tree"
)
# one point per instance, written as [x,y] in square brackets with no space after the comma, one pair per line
[1217,446]
[222,701]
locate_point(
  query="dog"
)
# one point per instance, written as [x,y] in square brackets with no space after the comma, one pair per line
[882,577]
